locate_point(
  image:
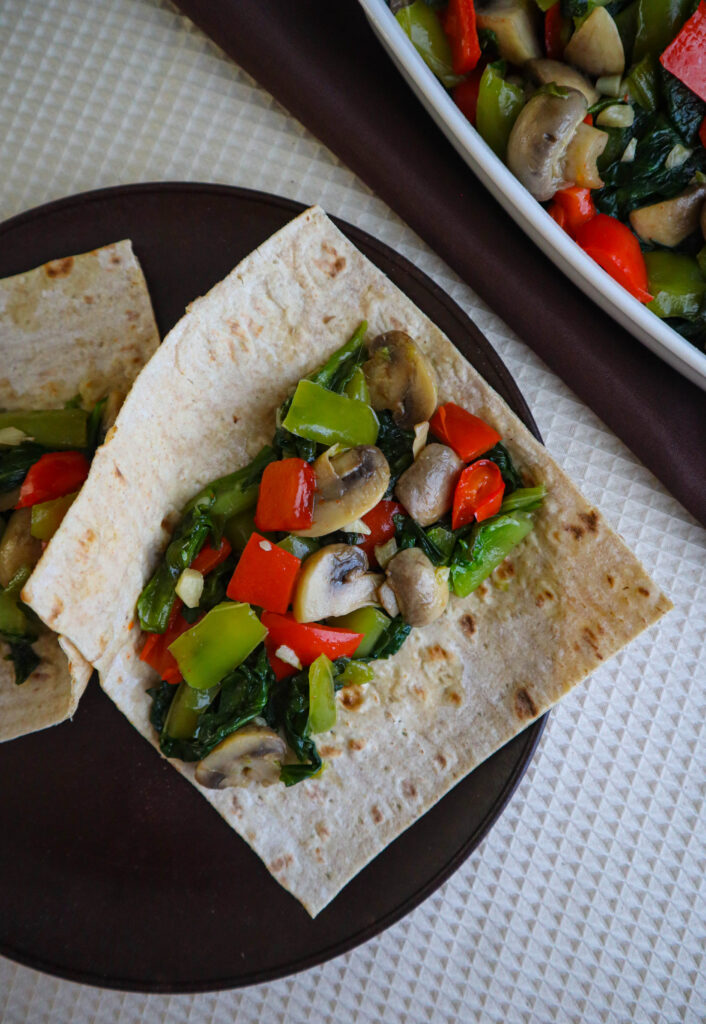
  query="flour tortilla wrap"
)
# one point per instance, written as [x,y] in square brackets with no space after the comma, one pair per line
[571,596]
[78,325]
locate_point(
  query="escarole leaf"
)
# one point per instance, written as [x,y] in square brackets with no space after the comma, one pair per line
[156,601]
[503,460]
[395,443]
[289,708]
[15,463]
[24,659]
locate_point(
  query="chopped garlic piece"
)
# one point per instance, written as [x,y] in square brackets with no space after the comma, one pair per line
[617,115]
[287,655]
[421,430]
[358,526]
[13,436]
[677,156]
[265,545]
[384,552]
[629,154]
[190,587]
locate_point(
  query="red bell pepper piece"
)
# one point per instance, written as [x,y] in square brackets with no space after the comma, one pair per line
[52,476]
[685,57]
[702,132]
[209,557]
[577,203]
[614,247]
[478,494]
[558,213]
[286,498]
[468,435]
[556,32]
[382,526]
[155,651]
[264,576]
[465,94]
[588,119]
[459,24]
[307,639]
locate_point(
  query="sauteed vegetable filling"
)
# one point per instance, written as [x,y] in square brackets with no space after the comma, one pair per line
[44,459]
[599,109]
[286,579]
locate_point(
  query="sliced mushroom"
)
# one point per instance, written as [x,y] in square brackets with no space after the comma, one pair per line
[420,590]
[514,28]
[596,46]
[580,162]
[544,71]
[426,489]
[251,754]
[400,378]
[540,138]
[18,547]
[672,220]
[334,581]
[348,484]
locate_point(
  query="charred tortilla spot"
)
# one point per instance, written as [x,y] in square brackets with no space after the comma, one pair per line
[328,319]
[437,653]
[441,760]
[88,299]
[331,263]
[356,744]
[56,608]
[376,814]
[235,418]
[539,600]
[409,790]
[352,697]
[506,570]
[467,624]
[524,705]
[117,472]
[132,316]
[592,641]
[644,591]
[59,268]
[115,260]
[590,520]
[321,830]
[237,806]
[329,751]
[420,692]
[453,697]
[281,863]
[577,531]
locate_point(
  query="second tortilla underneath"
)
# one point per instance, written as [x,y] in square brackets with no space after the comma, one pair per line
[566,600]
[78,325]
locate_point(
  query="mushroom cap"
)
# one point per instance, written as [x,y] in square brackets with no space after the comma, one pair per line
[421,590]
[400,378]
[334,581]
[544,70]
[348,484]
[426,489]
[251,754]
[540,137]
[670,221]
[596,46]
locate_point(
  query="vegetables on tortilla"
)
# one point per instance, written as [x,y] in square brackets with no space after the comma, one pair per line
[51,428]
[264,576]
[47,516]
[322,695]
[53,476]
[478,494]
[599,110]
[286,497]
[468,435]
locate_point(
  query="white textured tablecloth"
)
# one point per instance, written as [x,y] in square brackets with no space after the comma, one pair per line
[587,901]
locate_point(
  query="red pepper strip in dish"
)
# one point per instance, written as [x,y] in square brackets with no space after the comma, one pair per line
[459,24]
[685,57]
[465,95]
[307,640]
[578,206]
[468,435]
[155,651]
[478,494]
[382,526]
[209,557]
[52,476]
[264,576]
[286,498]
[556,32]
[614,247]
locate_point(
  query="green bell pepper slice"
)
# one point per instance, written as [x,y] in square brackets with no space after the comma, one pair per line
[47,516]
[185,710]
[658,21]
[237,491]
[52,428]
[524,499]
[300,547]
[489,544]
[340,364]
[424,29]
[371,622]
[499,103]
[13,621]
[320,415]
[356,673]
[444,539]
[642,83]
[217,644]
[322,695]
[676,282]
[357,387]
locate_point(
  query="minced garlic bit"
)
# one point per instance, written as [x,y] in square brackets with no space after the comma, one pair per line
[265,545]
[190,587]
[358,526]
[287,655]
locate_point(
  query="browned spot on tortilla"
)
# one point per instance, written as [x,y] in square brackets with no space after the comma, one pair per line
[590,520]
[506,570]
[87,539]
[482,590]
[56,608]
[115,260]
[453,697]
[355,744]
[237,806]
[644,591]
[331,264]
[376,814]
[437,653]
[132,316]
[235,418]
[280,863]
[321,830]
[352,697]
[611,580]
[577,531]
[441,760]
[88,299]
[467,624]
[539,600]
[420,692]
[328,319]
[250,834]
[111,433]
[590,638]
[409,789]
[318,855]
[59,268]
[329,751]
[118,473]
[524,705]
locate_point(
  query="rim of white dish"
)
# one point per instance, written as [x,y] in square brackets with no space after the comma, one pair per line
[663,340]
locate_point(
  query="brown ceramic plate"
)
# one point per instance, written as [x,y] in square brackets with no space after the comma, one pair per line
[113,870]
